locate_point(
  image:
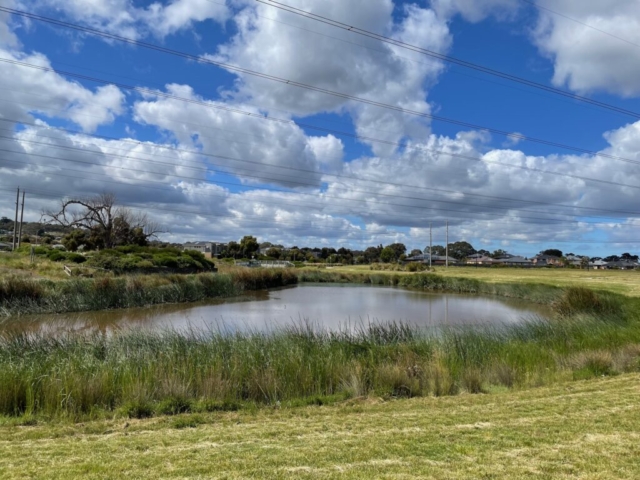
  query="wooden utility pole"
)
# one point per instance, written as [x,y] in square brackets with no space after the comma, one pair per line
[21,221]
[15,223]
[446,258]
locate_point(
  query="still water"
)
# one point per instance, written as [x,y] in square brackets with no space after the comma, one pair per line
[325,306]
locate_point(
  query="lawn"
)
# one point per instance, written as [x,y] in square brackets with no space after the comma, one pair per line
[587,429]
[626,282]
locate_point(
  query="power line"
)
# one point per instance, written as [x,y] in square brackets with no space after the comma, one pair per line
[51,194]
[537,5]
[413,60]
[446,58]
[395,215]
[157,93]
[298,182]
[274,78]
[317,172]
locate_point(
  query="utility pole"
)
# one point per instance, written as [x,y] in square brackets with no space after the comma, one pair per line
[15,223]
[430,244]
[21,219]
[446,258]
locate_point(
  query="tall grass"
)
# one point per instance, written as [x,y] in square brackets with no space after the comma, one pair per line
[20,295]
[138,374]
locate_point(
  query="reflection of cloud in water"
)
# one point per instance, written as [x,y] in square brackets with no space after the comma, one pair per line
[325,307]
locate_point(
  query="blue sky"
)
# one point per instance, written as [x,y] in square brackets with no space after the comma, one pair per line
[301,177]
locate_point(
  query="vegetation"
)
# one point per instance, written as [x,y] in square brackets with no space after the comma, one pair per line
[140,373]
[23,295]
[98,223]
[584,430]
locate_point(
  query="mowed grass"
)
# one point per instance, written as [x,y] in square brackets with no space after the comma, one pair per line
[587,429]
[626,282]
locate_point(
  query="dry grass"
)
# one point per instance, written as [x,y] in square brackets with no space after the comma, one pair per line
[619,281]
[586,430]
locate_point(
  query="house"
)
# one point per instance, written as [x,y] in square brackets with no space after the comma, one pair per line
[480,260]
[623,265]
[516,262]
[208,249]
[575,260]
[543,260]
[435,259]
[598,265]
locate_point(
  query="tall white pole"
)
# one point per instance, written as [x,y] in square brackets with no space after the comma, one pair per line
[430,244]
[21,221]
[447,250]
[15,223]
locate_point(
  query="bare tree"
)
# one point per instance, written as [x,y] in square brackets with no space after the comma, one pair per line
[106,224]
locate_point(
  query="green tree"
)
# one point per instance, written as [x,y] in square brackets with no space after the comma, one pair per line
[274,253]
[461,250]
[249,246]
[554,252]
[415,252]
[499,253]
[388,255]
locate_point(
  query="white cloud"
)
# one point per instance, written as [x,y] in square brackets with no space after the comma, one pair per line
[123,18]
[382,73]
[285,155]
[585,59]
[33,90]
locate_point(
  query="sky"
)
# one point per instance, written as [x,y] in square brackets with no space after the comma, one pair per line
[225,118]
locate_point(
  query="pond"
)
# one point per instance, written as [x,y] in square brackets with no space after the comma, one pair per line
[328,306]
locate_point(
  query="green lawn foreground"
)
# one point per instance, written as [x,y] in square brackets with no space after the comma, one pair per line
[586,429]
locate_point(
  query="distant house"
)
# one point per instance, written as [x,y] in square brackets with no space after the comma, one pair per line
[480,260]
[435,259]
[516,262]
[623,265]
[208,249]
[547,260]
[575,260]
[598,265]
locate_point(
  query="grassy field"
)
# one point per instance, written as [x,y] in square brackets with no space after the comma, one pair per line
[626,282]
[588,430]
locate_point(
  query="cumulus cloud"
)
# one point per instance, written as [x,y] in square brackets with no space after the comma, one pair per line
[586,59]
[257,150]
[381,72]
[32,90]
[122,17]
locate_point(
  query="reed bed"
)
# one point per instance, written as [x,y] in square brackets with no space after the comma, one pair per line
[21,295]
[140,374]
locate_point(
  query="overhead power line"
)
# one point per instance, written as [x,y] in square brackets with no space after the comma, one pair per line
[52,194]
[446,58]
[208,104]
[342,199]
[235,68]
[350,177]
[296,182]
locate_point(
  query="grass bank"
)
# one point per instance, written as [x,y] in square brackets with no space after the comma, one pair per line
[586,430]
[626,282]
[23,295]
[139,374]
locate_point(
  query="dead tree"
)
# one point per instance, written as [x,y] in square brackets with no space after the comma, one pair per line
[107,224]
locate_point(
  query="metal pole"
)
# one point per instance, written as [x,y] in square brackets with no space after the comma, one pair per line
[21,221]
[15,223]
[446,258]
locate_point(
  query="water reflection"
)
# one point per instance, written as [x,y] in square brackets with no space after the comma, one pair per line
[327,306]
